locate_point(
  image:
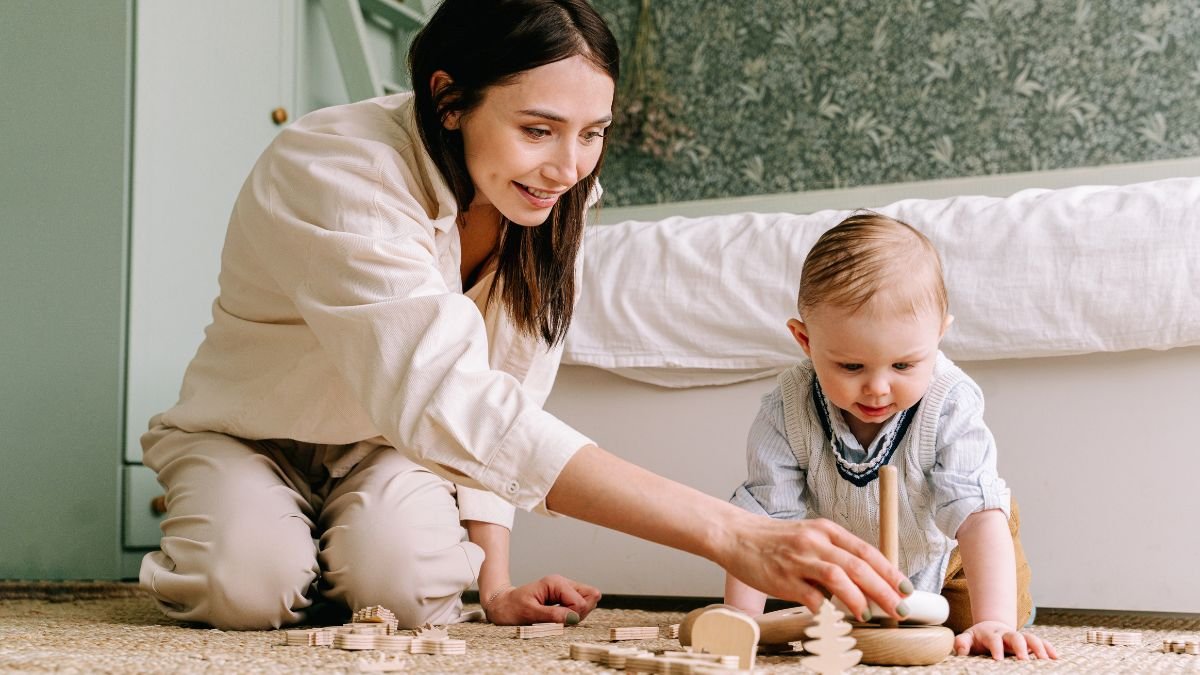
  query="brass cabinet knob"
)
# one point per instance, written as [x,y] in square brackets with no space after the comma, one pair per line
[279,115]
[159,504]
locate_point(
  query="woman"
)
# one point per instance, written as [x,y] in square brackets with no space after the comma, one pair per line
[396,282]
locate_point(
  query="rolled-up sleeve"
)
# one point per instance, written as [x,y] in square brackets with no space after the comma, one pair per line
[964,475]
[354,252]
[774,484]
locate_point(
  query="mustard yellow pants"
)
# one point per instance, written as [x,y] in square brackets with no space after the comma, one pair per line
[955,587]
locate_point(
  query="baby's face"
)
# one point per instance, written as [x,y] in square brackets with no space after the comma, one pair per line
[871,365]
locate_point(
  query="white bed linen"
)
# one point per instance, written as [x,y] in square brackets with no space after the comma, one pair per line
[701,301]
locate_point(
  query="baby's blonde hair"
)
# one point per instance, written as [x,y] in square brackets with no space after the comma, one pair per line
[870,257]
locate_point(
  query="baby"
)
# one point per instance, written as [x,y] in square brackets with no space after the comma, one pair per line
[876,390]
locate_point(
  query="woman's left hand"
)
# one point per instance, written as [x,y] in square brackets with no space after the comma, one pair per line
[551,599]
[997,638]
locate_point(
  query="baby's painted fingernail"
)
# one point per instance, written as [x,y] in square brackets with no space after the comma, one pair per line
[572,619]
[902,608]
[906,587]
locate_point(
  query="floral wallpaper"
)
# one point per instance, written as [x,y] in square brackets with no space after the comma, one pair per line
[725,98]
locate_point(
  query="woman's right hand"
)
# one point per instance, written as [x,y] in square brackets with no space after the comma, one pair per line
[790,560]
[802,560]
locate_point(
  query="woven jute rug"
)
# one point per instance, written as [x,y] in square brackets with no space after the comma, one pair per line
[113,628]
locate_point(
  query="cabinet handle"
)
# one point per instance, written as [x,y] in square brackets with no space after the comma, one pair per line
[279,115]
[159,504]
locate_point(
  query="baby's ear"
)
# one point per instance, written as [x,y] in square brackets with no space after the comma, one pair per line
[945,325]
[800,334]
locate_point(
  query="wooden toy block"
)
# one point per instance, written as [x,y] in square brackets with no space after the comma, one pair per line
[1181,646]
[673,631]
[315,637]
[1114,638]
[617,658]
[723,631]
[609,655]
[834,651]
[633,633]
[539,630]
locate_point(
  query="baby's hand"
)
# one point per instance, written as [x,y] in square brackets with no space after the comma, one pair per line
[998,638]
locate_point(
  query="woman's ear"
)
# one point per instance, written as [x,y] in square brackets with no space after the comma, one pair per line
[438,82]
[800,333]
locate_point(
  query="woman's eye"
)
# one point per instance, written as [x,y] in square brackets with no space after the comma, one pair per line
[593,135]
[851,367]
[535,132]
[902,366]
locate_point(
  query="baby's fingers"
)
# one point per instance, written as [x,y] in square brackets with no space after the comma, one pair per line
[962,644]
[1040,648]
[1017,645]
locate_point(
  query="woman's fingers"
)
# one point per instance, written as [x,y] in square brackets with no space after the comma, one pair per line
[854,571]
[802,561]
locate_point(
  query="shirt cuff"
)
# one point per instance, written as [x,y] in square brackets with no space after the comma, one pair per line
[484,506]
[744,500]
[951,516]
[529,459]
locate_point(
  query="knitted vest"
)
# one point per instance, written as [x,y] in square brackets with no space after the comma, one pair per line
[924,549]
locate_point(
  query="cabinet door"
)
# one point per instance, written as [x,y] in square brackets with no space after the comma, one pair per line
[64,106]
[208,76]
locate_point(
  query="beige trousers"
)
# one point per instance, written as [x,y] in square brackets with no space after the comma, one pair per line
[255,529]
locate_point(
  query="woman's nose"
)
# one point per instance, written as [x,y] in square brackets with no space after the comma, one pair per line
[562,166]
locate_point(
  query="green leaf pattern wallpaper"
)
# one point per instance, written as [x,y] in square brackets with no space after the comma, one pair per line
[724,98]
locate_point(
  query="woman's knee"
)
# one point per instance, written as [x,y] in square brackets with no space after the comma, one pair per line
[419,584]
[259,580]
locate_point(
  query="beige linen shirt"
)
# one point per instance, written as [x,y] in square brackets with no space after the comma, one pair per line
[341,319]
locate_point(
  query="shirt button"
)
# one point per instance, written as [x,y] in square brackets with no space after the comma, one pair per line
[512,487]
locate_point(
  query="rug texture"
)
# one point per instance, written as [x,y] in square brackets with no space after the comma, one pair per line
[113,628]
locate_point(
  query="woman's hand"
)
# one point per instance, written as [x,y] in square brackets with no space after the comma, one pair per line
[790,560]
[997,638]
[551,599]
[801,560]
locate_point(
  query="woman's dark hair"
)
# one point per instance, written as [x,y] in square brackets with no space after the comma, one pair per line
[486,43]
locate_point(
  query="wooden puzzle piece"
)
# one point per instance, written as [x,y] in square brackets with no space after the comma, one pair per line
[1114,638]
[539,630]
[834,651]
[633,633]
[723,631]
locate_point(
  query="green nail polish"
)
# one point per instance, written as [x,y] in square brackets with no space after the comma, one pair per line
[572,618]
[902,608]
[906,587]
[866,615]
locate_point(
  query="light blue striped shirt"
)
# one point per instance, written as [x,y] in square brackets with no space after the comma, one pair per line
[947,463]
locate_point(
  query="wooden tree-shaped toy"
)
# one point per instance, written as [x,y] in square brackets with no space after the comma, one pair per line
[831,644]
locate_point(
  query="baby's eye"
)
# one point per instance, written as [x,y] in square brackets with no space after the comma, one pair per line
[535,132]
[902,366]
[850,367]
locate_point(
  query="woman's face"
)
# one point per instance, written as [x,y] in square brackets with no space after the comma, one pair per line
[531,140]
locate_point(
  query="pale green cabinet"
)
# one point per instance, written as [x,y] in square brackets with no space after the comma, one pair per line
[126,130]
[64,161]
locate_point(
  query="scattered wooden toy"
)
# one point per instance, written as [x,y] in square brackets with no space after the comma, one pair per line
[538,630]
[634,660]
[834,652]
[373,628]
[673,631]
[1181,646]
[724,631]
[1114,638]
[633,633]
